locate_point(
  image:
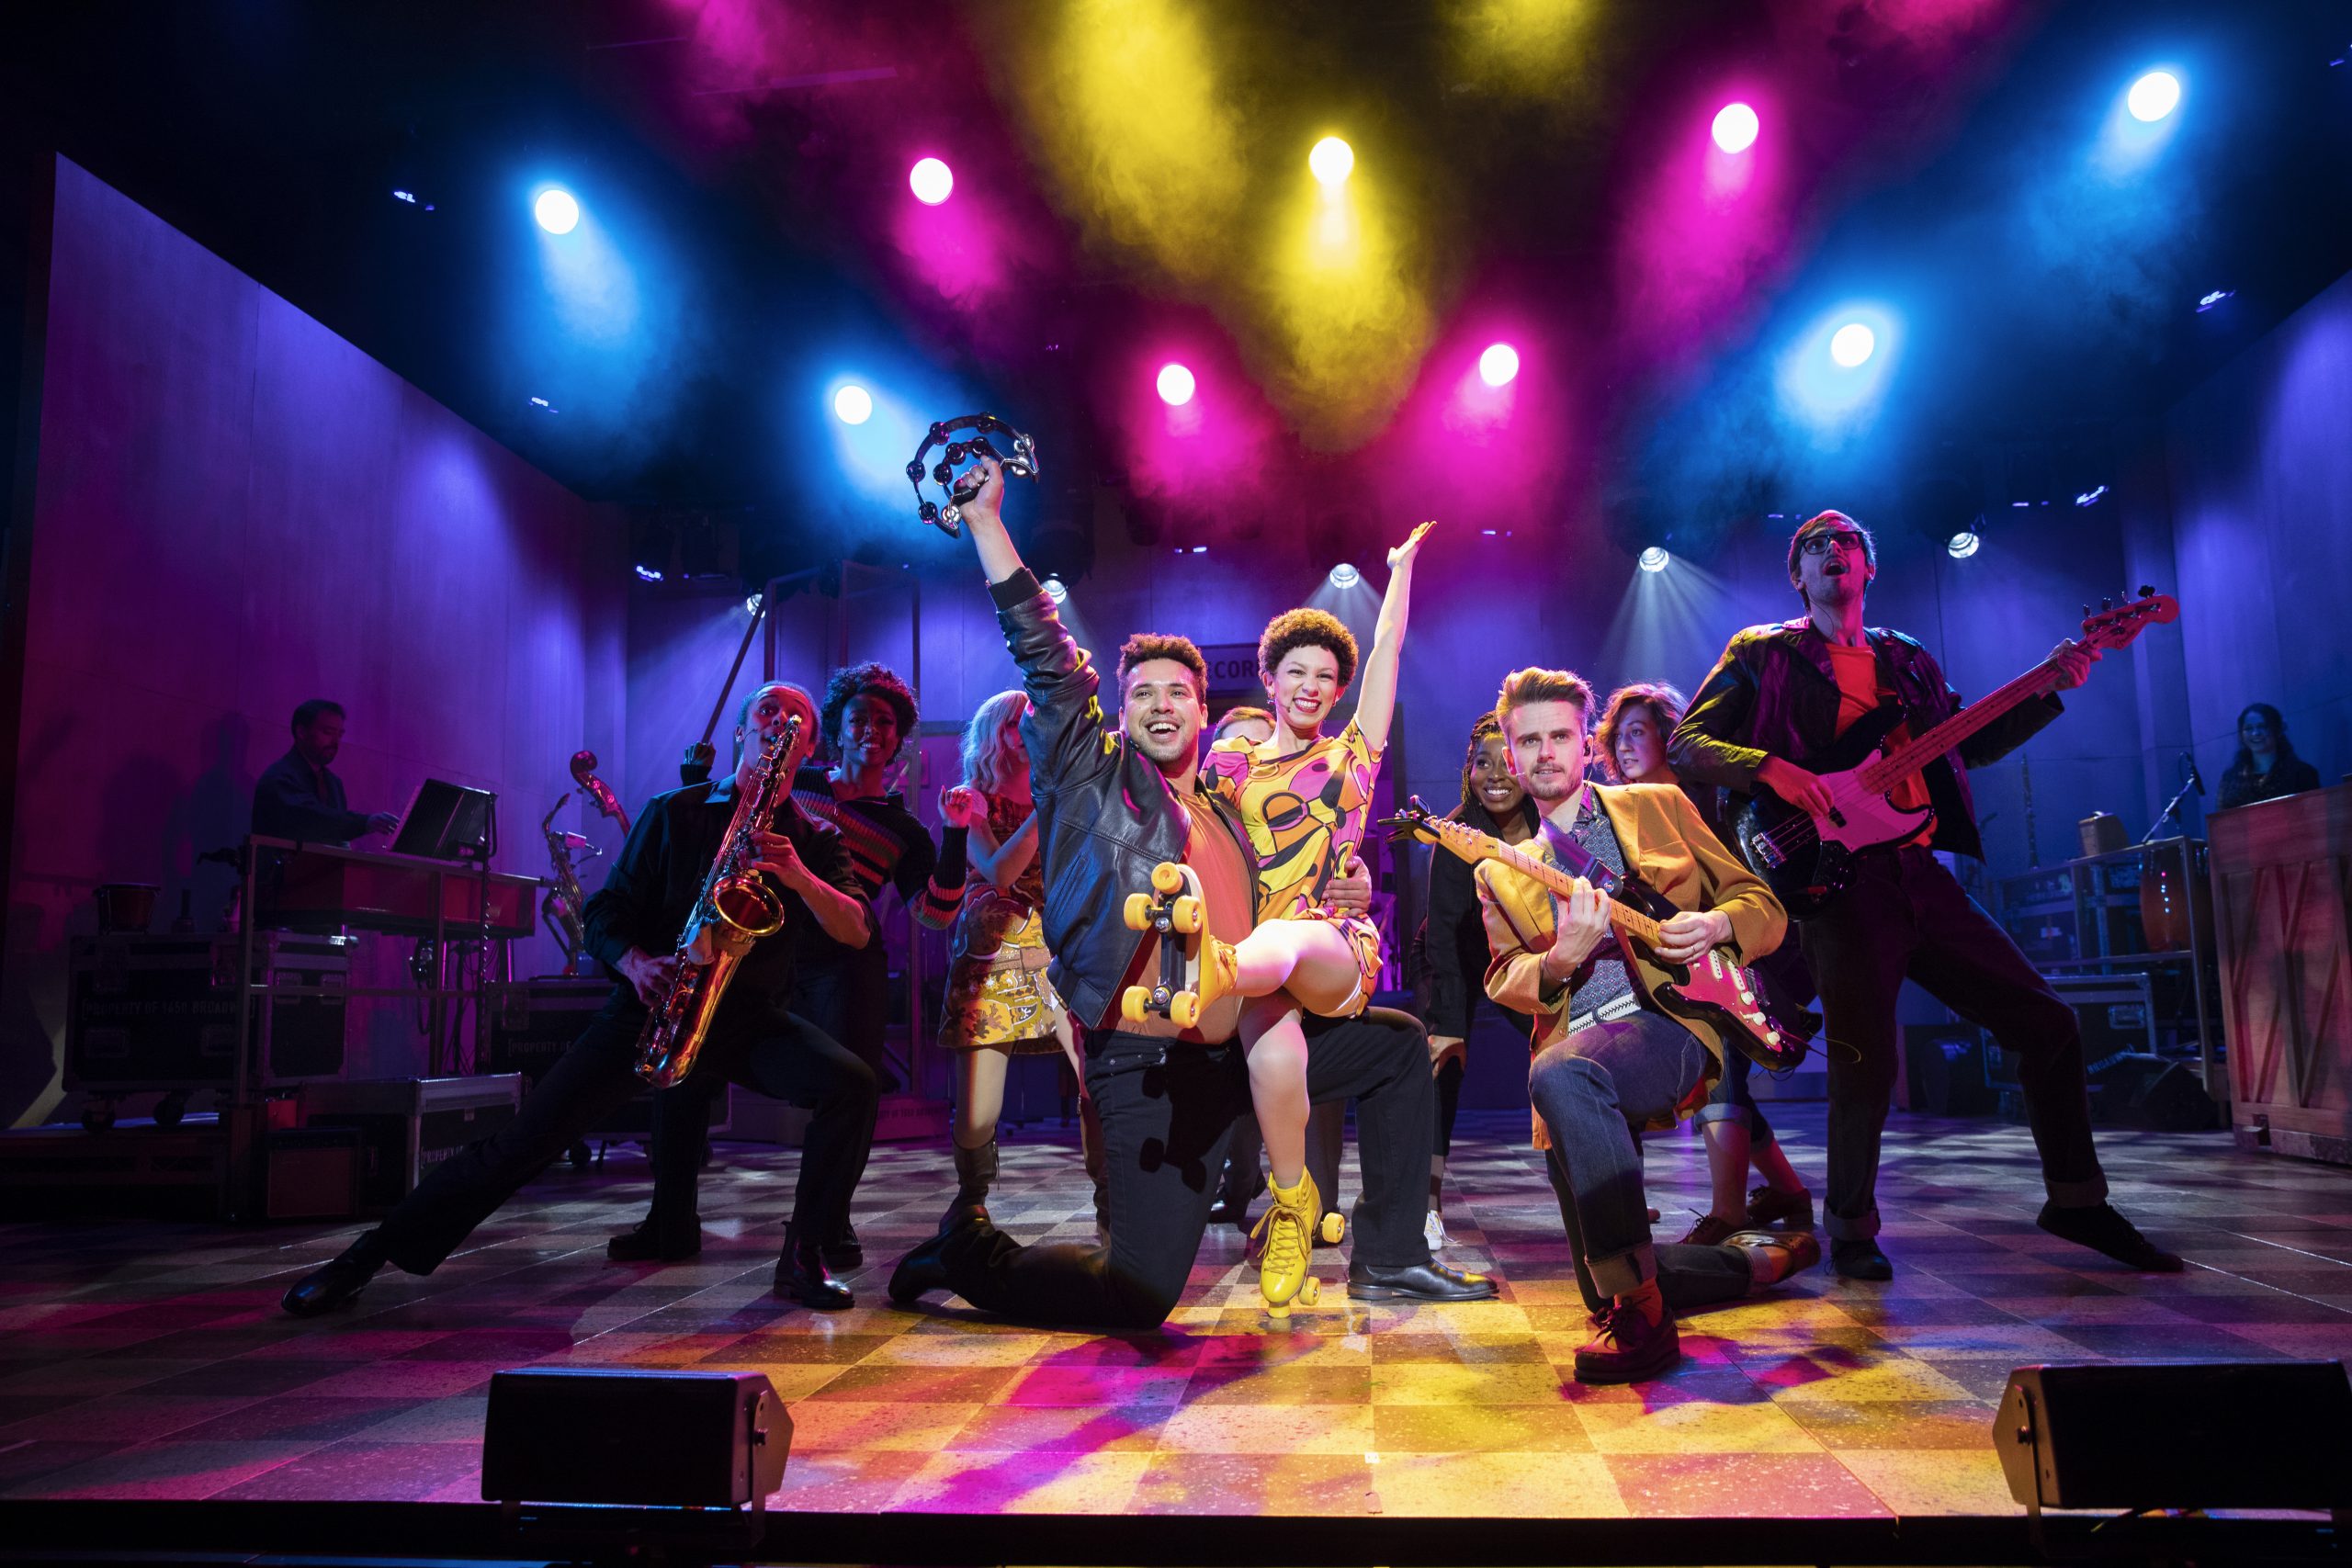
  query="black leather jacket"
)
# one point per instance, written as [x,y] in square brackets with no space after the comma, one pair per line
[1773,693]
[1106,813]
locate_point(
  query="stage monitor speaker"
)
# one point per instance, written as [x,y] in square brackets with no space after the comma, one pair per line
[2178,1435]
[617,1435]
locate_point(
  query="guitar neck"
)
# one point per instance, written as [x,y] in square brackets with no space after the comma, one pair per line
[1917,753]
[1629,921]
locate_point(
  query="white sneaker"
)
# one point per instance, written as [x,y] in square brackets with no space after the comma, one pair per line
[1433,1230]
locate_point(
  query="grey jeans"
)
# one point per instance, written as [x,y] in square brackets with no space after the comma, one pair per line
[1591,1089]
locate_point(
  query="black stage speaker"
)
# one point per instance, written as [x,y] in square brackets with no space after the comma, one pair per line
[621,1436]
[2178,1435]
[1944,1070]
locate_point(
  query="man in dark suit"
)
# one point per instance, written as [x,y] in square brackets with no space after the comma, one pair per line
[297,797]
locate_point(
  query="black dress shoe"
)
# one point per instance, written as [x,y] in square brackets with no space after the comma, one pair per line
[925,1269]
[2101,1229]
[643,1243]
[1231,1211]
[1858,1258]
[801,1274]
[338,1283]
[1430,1281]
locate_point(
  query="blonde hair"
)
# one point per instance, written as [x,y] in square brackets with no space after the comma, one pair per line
[1522,687]
[985,747]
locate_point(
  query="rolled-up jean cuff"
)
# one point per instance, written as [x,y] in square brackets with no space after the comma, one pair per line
[2078,1194]
[1724,1112]
[1838,1227]
[1625,1273]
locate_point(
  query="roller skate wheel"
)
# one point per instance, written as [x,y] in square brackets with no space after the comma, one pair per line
[1185,915]
[1138,913]
[1167,878]
[1134,1004]
[1334,1227]
[1308,1290]
[1184,1010]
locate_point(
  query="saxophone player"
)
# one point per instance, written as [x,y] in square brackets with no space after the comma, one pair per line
[632,928]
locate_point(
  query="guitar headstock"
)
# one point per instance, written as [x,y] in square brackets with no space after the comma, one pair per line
[1416,821]
[2114,625]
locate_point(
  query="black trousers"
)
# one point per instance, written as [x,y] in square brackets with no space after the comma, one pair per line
[1167,1111]
[1906,917]
[597,1077]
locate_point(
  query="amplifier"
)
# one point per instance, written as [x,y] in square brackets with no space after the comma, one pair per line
[409,1125]
[159,1012]
[2116,1014]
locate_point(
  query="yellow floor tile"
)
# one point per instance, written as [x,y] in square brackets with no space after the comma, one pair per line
[1928,1481]
[1486,1486]
[1269,1430]
[1694,1426]
[1418,1383]
[1504,1428]
[819,1424]
[962,1482]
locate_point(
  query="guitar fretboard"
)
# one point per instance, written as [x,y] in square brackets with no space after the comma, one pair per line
[1630,921]
[1915,754]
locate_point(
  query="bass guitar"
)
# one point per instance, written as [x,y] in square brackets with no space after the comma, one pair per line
[1806,859]
[1715,998]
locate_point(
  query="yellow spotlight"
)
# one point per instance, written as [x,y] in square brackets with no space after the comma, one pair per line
[1333,161]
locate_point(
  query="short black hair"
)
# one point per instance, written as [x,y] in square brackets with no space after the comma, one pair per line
[869,678]
[1306,628]
[307,713]
[1145,646]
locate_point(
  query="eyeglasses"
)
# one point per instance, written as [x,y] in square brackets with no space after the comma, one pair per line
[1844,540]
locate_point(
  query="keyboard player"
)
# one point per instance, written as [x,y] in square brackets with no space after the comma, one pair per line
[299,797]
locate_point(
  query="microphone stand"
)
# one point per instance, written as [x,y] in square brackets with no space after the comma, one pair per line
[2171,813]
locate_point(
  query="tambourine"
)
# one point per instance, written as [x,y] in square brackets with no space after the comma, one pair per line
[1021,462]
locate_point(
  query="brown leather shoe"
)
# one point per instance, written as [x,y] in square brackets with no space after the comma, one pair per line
[1707,1232]
[1769,1206]
[1636,1341]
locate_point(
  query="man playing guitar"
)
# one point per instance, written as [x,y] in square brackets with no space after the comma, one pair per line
[1605,1062]
[1785,693]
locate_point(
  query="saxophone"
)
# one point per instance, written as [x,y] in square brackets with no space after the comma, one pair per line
[563,905]
[736,909]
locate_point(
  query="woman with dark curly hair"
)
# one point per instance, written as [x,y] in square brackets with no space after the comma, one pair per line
[1633,731]
[1449,958]
[2265,766]
[1304,796]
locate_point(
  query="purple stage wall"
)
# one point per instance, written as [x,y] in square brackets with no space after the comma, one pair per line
[236,510]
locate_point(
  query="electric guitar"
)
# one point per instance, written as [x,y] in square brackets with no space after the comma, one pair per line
[1807,859]
[1715,998]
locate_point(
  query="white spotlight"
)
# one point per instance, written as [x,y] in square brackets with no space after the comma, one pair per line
[1654,559]
[931,181]
[2153,96]
[1345,576]
[1963,545]
[1736,126]
[1055,590]
[1176,385]
[752,605]
[1331,161]
[854,404]
[1852,343]
[557,211]
[1498,363]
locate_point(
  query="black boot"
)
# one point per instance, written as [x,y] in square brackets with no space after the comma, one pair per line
[974,1171]
[925,1269]
[844,1250]
[801,1274]
[337,1284]
[645,1243]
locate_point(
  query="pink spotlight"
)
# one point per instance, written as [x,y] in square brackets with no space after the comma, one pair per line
[1498,364]
[931,181]
[1735,128]
[1176,386]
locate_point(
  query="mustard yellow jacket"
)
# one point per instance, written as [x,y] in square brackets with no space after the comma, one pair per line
[1667,844]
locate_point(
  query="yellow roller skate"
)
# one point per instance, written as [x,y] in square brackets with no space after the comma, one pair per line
[1196,968]
[1283,1245]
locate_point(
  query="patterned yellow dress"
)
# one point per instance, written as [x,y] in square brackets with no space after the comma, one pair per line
[1305,814]
[998,997]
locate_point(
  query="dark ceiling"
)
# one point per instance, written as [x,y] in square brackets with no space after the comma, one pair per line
[1924,153]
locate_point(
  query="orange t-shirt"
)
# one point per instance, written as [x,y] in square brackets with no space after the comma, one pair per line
[1863,688]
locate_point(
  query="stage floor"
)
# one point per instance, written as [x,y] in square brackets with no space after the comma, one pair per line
[150,1360]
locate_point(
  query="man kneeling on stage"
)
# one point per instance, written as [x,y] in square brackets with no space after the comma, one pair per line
[632,926]
[1110,809]
[1606,1061]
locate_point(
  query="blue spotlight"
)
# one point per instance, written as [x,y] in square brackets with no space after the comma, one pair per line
[2153,96]
[646,574]
[852,404]
[544,406]
[557,211]
[1056,590]
[1963,545]
[2090,497]
[2207,301]
[1852,343]
[1654,559]
[1345,576]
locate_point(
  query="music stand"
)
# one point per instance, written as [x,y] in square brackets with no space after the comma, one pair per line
[449,821]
